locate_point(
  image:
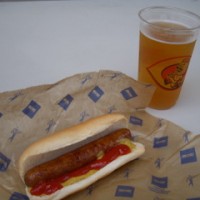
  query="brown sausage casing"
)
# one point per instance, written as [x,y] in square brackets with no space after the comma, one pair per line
[73,160]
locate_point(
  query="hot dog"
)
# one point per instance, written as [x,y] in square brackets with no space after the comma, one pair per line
[73,160]
[73,150]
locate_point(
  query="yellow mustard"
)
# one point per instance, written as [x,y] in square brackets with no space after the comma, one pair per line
[78,178]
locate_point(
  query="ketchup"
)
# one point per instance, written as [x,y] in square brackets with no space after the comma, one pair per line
[51,186]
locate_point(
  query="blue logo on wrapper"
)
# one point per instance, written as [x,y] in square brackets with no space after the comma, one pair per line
[128,93]
[135,121]
[196,198]
[160,182]
[160,142]
[66,101]
[18,196]
[124,191]
[96,94]
[188,156]
[1,114]
[31,109]
[4,162]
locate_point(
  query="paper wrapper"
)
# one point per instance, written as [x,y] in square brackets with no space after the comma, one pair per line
[169,169]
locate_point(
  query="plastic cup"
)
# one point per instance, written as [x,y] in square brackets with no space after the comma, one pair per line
[167,40]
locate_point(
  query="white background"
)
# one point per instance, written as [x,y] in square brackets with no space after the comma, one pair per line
[42,42]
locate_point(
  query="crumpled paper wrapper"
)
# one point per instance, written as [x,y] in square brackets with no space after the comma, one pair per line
[169,169]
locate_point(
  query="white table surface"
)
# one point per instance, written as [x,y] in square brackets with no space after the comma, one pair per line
[42,42]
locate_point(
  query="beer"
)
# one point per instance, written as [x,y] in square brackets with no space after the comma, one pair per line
[163,60]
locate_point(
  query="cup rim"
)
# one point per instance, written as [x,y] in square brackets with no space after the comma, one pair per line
[194,15]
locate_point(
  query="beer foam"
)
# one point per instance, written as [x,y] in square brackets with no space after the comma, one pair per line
[168,32]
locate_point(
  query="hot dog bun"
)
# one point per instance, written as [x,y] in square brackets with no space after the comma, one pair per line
[69,139]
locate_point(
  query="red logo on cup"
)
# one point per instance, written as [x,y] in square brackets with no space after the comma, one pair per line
[169,74]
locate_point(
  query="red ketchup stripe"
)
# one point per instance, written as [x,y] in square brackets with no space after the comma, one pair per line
[51,186]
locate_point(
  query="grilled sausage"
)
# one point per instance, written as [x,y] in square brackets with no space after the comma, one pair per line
[73,160]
